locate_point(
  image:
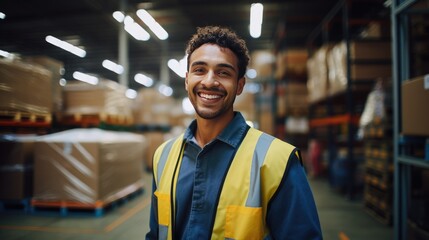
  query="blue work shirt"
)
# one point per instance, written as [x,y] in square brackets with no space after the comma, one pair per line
[291,213]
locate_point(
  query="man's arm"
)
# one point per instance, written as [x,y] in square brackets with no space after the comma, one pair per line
[292,213]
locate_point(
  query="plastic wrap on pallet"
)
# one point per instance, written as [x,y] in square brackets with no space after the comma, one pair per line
[16,166]
[107,97]
[25,88]
[337,65]
[317,82]
[374,108]
[87,165]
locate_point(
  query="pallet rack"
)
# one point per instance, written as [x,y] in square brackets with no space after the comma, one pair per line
[402,12]
[341,111]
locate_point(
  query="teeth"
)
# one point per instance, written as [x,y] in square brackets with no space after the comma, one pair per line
[209,96]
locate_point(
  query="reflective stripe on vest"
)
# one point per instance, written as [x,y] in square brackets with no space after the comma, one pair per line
[250,183]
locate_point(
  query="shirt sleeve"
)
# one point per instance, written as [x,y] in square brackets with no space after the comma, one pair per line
[153,221]
[292,212]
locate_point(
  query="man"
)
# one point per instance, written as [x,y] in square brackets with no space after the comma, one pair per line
[222,179]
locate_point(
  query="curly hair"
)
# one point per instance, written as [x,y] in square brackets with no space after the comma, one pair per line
[223,37]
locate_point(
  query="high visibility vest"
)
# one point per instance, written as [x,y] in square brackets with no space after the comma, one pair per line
[250,183]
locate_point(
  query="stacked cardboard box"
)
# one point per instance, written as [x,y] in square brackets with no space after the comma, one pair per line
[16,166]
[25,88]
[87,165]
[107,98]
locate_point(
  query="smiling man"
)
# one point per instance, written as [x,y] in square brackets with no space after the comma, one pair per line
[222,179]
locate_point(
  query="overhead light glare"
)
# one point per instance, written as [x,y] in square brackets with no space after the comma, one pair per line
[187,106]
[2,15]
[251,73]
[118,69]
[63,82]
[131,93]
[118,16]
[66,46]
[85,78]
[256,16]
[179,67]
[143,79]
[5,54]
[135,30]
[165,90]
[153,25]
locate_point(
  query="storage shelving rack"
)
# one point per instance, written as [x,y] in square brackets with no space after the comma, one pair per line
[340,22]
[401,13]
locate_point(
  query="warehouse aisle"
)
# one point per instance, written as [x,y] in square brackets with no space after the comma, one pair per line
[340,218]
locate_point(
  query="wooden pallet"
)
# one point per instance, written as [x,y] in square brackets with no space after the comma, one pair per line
[24,119]
[95,119]
[97,208]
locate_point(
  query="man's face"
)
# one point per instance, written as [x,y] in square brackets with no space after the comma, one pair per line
[211,82]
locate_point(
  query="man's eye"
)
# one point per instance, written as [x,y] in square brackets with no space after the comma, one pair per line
[224,73]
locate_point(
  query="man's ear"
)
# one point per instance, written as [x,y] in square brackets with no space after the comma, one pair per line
[240,87]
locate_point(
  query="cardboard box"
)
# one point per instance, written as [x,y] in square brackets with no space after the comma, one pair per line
[16,166]
[370,50]
[87,165]
[415,110]
[25,88]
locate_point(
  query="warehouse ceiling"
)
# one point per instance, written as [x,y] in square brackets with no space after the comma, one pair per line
[89,23]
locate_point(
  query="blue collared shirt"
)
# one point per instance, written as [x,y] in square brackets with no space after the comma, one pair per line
[291,213]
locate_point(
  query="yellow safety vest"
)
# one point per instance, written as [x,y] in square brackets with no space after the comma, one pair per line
[250,183]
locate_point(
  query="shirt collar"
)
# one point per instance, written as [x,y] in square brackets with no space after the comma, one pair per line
[232,134]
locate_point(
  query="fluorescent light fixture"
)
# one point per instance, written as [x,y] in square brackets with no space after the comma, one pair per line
[143,80]
[153,25]
[131,94]
[256,16]
[113,66]
[165,90]
[2,15]
[118,16]
[179,67]
[66,46]
[63,82]
[85,78]
[5,54]
[251,73]
[135,30]
[187,106]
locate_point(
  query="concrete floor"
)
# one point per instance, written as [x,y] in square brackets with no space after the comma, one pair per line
[340,218]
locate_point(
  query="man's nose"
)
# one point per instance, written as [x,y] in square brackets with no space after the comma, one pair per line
[210,80]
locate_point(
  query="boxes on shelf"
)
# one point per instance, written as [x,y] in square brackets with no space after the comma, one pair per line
[291,64]
[153,108]
[25,88]
[245,103]
[87,165]
[317,82]
[56,68]
[292,99]
[16,166]
[107,98]
[415,112]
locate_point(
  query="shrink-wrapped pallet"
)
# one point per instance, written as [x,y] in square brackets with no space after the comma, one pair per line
[88,166]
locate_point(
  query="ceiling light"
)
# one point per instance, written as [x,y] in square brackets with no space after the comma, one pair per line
[143,79]
[131,94]
[85,78]
[66,46]
[2,15]
[256,16]
[5,54]
[119,16]
[135,30]
[179,67]
[251,73]
[63,82]
[152,24]
[165,90]
[113,66]
[187,106]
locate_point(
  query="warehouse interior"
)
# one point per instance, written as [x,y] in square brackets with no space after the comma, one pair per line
[86,100]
